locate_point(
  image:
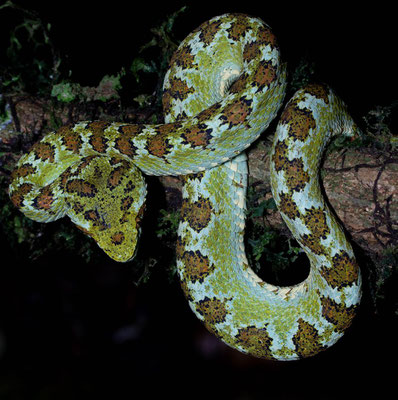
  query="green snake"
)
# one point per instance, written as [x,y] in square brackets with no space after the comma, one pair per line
[224,86]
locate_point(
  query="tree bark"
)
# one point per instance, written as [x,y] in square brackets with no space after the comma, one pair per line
[360,183]
[360,186]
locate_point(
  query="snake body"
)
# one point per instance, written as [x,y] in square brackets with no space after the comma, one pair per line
[224,86]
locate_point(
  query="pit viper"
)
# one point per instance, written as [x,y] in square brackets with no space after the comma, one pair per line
[225,84]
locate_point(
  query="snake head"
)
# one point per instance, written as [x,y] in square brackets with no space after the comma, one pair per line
[106,199]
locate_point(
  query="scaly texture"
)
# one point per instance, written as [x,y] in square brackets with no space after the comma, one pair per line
[224,86]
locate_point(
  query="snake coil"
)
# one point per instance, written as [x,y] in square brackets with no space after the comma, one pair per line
[225,85]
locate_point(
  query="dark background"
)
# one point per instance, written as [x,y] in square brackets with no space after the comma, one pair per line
[352,47]
[72,330]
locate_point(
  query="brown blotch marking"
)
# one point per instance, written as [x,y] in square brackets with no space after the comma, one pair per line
[98,127]
[279,156]
[124,143]
[23,170]
[295,175]
[344,271]
[338,314]
[125,146]
[236,113]
[85,161]
[207,114]
[198,213]
[180,247]
[266,37]
[319,91]
[81,188]
[130,129]
[74,171]
[180,250]
[117,238]
[18,195]
[124,218]
[167,101]
[183,57]
[114,178]
[126,203]
[129,187]
[240,84]
[140,215]
[208,30]
[315,220]
[299,120]
[65,130]
[197,266]
[65,176]
[307,340]
[288,206]
[313,243]
[77,207]
[213,310]
[256,341]
[45,199]
[98,142]
[178,90]
[158,145]
[70,139]
[95,218]
[113,160]
[116,175]
[238,28]
[168,108]
[197,136]
[44,151]
[265,74]
[251,51]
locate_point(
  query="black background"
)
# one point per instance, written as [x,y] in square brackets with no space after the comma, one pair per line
[352,47]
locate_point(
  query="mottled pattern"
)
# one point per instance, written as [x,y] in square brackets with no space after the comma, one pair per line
[333,287]
[224,86]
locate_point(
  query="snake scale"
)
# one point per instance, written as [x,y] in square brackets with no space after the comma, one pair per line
[224,86]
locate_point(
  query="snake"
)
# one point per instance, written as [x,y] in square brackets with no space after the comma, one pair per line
[225,84]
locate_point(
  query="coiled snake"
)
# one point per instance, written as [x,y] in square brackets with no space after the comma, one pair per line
[224,86]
